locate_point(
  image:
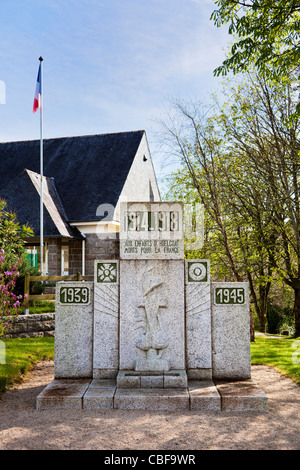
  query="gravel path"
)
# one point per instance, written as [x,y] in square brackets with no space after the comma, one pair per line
[24,428]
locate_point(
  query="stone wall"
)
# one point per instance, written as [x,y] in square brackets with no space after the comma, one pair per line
[75,257]
[100,248]
[95,248]
[32,326]
[54,256]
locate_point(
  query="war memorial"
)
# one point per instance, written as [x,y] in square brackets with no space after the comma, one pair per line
[152,331]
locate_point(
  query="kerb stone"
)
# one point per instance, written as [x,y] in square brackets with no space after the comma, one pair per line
[62,394]
[242,396]
[204,395]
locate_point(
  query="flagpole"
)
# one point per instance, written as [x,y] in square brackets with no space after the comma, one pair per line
[41,170]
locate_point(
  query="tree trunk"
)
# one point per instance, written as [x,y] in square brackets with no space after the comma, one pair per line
[262,322]
[260,303]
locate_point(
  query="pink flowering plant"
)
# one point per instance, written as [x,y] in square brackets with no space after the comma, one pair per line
[10,303]
[12,260]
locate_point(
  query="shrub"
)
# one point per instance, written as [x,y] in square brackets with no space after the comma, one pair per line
[36,287]
[10,303]
[279,319]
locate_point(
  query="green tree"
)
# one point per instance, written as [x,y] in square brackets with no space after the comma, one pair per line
[266,33]
[261,127]
[239,238]
[12,236]
[12,241]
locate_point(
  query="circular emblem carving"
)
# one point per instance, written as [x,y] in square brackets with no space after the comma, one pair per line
[197,271]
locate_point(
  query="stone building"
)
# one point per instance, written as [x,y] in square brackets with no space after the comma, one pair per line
[85,179]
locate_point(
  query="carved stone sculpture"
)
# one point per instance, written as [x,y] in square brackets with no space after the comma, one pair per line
[152,338]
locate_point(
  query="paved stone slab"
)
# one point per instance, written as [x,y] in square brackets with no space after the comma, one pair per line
[128,379]
[62,393]
[152,381]
[102,383]
[175,379]
[152,399]
[199,374]
[100,395]
[204,395]
[242,396]
[105,373]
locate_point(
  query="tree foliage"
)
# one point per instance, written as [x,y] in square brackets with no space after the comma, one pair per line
[12,236]
[242,162]
[12,260]
[266,33]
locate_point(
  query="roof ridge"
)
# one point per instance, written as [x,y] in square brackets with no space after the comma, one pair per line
[74,136]
[54,207]
[87,170]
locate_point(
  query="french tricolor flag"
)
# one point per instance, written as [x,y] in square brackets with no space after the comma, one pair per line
[38,92]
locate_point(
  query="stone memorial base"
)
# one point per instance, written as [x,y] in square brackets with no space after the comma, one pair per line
[152,332]
[199,395]
[168,379]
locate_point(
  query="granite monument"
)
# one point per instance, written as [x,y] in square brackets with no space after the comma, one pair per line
[152,331]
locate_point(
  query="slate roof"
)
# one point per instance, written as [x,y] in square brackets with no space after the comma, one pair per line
[82,173]
[25,200]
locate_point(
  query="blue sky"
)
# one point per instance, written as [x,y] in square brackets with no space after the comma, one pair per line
[109,65]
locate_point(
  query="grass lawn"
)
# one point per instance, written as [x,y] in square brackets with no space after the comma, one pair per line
[42,306]
[283,354]
[20,356]
[22,353]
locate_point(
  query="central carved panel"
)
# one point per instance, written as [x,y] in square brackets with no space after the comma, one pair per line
[152,315]
[152,338]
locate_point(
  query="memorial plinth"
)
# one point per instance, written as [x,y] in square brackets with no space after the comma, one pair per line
[152,331]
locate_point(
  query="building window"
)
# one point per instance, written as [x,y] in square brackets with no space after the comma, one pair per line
[64,260]
[32,256]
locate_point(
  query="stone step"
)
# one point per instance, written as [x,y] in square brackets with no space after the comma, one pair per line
[204,395]
[62,393]
[167,379]
[159,399]
[242,395]
[97,394]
